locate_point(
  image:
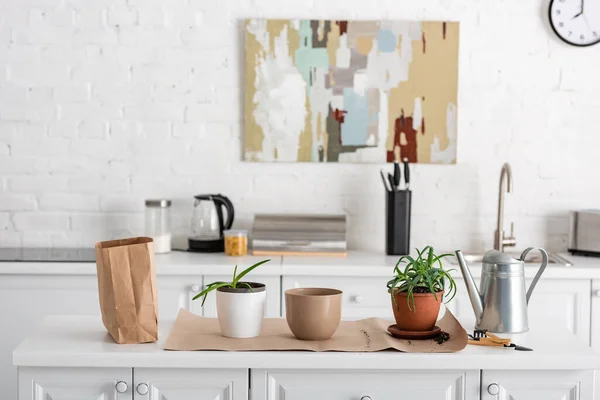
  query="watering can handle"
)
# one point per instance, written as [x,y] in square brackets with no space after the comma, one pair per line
[540,271]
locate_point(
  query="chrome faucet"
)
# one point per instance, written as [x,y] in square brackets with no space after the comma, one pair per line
[500,242]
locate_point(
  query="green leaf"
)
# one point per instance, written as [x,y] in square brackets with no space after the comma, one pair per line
[430,256]
[410,298]
[234,274]
[408,263]
[438,259]
[431,285]
[249,286]
[210,288]
[420,255]
[237,278]
[400,261]
[415,279]
[452,288]
[393,298]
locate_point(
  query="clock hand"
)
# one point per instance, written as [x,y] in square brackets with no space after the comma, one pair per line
[580,11]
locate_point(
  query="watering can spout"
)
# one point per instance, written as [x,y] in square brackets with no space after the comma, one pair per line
[474,295]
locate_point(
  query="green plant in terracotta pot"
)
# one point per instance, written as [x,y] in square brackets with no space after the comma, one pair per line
[417,290]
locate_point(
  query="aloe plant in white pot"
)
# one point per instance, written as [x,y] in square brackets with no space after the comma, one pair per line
[240,305]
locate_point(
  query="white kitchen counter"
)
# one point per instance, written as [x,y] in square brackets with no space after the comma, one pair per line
[360,263]
[82,341]
[174,263]
[357,263]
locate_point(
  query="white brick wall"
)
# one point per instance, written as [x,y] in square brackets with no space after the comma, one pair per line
[105,103]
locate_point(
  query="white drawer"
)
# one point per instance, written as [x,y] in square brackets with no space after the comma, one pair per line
[364,385]
[363,297]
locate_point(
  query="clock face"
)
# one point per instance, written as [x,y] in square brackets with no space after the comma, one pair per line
[577,22]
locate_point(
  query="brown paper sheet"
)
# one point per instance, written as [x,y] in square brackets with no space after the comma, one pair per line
[192,332]
[127,289]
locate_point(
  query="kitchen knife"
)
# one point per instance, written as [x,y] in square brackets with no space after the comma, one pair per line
[385,182]
[397,173]
[406,173]
[392,184]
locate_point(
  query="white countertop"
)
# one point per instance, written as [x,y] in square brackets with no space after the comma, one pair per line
[357,263]
[174,263]
[82,341]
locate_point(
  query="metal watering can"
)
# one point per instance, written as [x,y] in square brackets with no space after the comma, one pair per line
[500,304]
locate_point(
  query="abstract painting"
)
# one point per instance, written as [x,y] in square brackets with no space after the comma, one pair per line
[350,91]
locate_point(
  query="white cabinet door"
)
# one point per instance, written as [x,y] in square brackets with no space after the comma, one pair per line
[74,383]
[190,384]
[25,300]
[364,385]
[565,301]
[568,302]
[537,385]
[175,292]
[363,297]
[272,306]
[595,336]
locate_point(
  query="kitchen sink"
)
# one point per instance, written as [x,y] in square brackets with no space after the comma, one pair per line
[532,258]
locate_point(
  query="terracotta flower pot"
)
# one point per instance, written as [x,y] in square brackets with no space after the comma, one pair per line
[422,316]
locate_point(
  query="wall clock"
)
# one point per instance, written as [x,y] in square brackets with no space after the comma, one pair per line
[576,22]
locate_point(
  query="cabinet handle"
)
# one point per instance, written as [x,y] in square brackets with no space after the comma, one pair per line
[365,398]
[121,387]
[493,389]
[356,299]
[142,389]
[195,288]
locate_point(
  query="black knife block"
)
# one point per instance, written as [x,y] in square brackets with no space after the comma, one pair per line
[397,210]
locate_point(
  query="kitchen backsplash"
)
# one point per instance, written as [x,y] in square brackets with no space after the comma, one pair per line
[106,103]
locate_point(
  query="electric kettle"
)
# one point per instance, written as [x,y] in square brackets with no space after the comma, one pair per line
[208,222]
[500,304]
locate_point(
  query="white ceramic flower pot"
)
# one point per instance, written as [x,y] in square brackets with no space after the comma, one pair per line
[240,311]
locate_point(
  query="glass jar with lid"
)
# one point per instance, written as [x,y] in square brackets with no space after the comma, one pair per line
[236,242]
[158,224]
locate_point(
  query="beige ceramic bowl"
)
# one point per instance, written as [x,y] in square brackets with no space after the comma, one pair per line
[313,313]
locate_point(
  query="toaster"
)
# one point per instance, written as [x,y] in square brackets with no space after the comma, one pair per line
[584,233]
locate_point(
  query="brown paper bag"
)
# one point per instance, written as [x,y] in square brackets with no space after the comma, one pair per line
[127,289]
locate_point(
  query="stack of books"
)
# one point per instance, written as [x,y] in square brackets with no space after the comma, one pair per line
[310,235]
